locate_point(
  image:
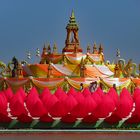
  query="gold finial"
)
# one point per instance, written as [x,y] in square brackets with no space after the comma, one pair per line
[88,49]
[100,49]
[72,14]
[49,49]
[94,48]
[55,48]
[82,68]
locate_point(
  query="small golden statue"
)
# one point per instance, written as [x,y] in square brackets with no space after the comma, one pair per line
[116,71]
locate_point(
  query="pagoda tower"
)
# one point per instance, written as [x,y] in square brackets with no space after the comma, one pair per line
[72,39]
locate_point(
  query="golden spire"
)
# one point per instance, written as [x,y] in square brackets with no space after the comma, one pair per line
[88,49]
[100,49]
[55,48]
[94,48]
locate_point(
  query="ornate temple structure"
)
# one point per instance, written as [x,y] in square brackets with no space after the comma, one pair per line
[70,90]
[72,52]
[72,66]
[72,48]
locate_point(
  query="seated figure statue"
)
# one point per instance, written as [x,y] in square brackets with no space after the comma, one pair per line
[93,86]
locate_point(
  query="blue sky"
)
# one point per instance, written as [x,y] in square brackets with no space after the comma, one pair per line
[26,25]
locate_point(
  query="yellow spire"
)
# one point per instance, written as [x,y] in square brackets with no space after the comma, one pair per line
[72,22]
[88,48]
[94,48]
[72,14]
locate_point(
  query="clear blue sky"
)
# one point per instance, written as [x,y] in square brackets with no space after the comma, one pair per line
[26,25]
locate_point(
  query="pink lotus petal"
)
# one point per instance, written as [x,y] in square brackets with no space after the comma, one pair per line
[46,118]
[24,118]
[72,92]
[58,110]
[86,92]
[68,119]
[3,104]
[136,93]
[105,107]
[34,104]
[70,102]
[49,101]
[9,93]
[60,94]
[90,119]
[44,92]
[113,94]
